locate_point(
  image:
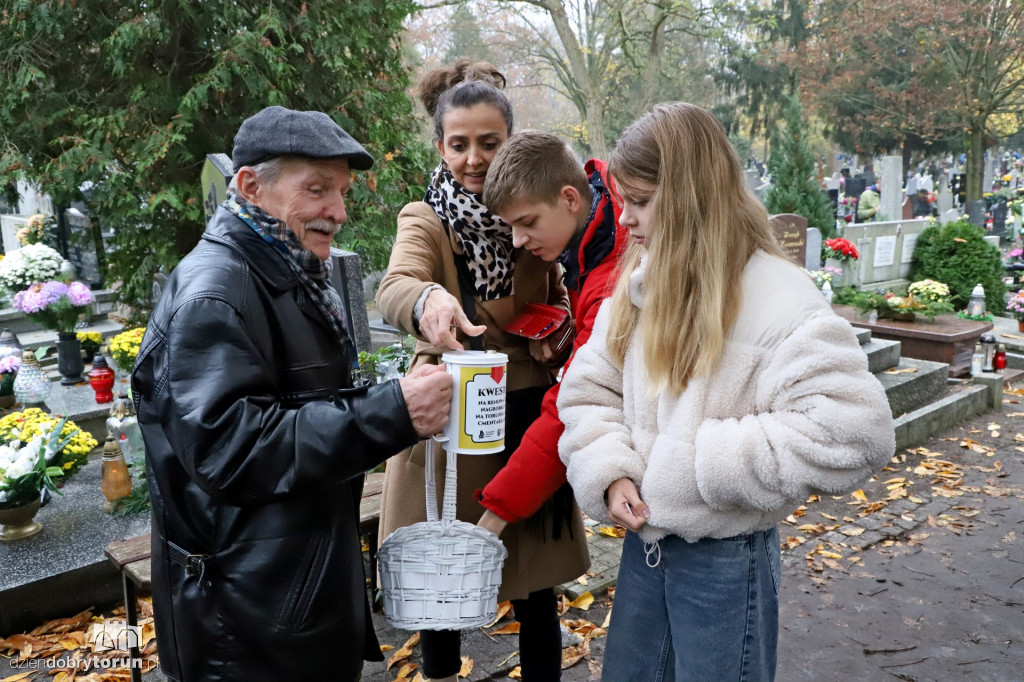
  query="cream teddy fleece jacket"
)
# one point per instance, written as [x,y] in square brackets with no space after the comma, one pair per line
[790,411]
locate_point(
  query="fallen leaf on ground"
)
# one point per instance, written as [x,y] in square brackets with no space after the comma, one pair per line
[607,620]
[859,495]
[905,370]
[404,652]
[572,655]
[405,671]
[852,532]
[516,673]
[583,601]
[612,531]
[508,629]
[467,666]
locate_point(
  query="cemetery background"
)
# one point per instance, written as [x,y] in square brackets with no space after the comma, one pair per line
[143,221]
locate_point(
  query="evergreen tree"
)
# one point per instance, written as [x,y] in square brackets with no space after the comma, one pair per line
[791,167]
[126,98]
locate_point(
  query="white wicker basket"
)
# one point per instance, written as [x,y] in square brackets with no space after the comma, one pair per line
[441,574]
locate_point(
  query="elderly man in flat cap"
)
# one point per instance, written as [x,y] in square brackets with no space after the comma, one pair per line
[256,437]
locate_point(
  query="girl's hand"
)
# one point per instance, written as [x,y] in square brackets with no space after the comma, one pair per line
[625,506]
[492,522]
[441,314]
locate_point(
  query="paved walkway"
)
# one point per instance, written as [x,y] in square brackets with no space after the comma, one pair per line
[919,578]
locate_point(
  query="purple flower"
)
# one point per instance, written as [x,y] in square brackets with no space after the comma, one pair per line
[79,294]
[30,300]
[53,291]
[10,364]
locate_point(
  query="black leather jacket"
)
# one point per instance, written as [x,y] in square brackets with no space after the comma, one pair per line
[256,448]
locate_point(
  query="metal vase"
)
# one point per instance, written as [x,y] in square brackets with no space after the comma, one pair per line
[17,523]
[69,358]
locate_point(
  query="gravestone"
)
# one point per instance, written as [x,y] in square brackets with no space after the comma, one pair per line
[347,277]
[949,216]
[892,188]
[943,199]
[215,178]
[791,232]
[999,211]
[83,249]
[751,179]
[812,259]
[976,213]
[886,250]
[855,186]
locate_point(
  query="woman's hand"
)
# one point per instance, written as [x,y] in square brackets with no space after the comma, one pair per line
[441,314]
[492,522]
[625,506]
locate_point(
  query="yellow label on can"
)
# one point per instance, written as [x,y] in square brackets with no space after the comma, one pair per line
[481,409]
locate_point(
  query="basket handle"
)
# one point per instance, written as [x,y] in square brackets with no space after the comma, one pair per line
[450,484]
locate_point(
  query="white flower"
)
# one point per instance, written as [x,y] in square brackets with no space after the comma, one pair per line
[19,468]
[7,455]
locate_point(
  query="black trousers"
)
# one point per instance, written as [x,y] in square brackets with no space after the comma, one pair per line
[540,642]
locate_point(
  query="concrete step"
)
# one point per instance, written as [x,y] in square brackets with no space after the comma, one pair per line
[913,427]
[882,354]
[914,384]
[863,335]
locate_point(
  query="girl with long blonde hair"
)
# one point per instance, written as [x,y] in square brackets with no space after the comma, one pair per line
[717,392]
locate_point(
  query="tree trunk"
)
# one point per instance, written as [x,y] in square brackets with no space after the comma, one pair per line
[595,127]
[975,163]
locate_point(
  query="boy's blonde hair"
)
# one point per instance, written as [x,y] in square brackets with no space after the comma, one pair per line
[534,166]
[705,227]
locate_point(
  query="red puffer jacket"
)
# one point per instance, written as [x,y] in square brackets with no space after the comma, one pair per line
[534,471]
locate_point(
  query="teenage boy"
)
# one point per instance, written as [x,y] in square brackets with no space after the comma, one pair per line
[560,211]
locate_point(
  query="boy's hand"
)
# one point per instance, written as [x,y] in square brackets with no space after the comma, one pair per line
[492,522]
[441,314]
[625,506]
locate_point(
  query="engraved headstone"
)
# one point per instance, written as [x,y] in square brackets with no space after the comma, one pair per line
[216,176]
[791,232]
[83,249]
[976,213]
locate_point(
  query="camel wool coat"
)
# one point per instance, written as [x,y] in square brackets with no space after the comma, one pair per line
[423,255]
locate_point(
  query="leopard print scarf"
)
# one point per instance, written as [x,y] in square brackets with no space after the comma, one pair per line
[486,239]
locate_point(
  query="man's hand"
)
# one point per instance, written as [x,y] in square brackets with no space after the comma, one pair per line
[625,506]
[492,522]
[441,314]
[428,395]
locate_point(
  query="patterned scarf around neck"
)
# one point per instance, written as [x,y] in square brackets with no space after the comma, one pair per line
[314,274]
[486,239]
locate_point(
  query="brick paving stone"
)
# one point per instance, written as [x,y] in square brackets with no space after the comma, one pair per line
[891,530]
[872,522]
[935,507]
[833,537]
[865,539]
[907,525]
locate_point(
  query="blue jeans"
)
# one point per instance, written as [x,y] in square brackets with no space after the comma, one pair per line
[708,611]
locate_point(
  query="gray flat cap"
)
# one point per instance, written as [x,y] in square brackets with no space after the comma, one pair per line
[277,131]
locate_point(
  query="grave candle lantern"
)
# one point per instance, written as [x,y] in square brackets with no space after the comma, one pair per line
[976,306]
[116,482]
[101,378]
